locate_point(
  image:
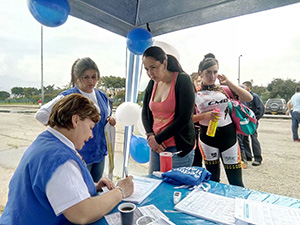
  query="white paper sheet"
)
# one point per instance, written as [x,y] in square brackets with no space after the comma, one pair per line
[208,206]
[254,212]
[143,187]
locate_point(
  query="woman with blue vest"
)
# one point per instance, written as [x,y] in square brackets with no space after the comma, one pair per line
[51,184]
[84,77]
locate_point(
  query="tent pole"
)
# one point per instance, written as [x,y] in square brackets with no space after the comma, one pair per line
[136,79]
[128,129]
[132,83]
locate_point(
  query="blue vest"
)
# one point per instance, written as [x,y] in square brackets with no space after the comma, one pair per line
[95,149]
[27,201]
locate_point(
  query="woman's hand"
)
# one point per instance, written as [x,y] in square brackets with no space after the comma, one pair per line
[105,182]
[243,94]
[212,115]
[127,186]
[154,145]
[111,121]
[223,79]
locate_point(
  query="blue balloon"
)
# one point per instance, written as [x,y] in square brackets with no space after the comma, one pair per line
[138,40]
[139,149]
[51,13]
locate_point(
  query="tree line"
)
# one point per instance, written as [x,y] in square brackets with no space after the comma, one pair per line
[278,88]
[115,86]
[109,84]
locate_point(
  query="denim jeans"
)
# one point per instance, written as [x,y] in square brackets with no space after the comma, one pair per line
[187,160]
[96,170]
[295,124]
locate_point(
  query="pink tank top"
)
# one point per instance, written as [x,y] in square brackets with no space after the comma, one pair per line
[163,112]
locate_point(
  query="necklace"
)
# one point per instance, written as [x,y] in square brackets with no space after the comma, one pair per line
[77,153]
[212,87]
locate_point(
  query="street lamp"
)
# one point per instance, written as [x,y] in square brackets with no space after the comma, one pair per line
[239,69]
[42,73]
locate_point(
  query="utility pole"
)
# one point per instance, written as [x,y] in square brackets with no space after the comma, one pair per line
[42,76]
[239,69]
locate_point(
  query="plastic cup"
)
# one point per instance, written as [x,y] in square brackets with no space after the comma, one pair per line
[165,161]
[127,210]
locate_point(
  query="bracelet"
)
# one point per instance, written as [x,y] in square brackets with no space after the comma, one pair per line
[123,194]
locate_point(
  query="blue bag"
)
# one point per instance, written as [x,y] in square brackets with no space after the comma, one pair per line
[187,175]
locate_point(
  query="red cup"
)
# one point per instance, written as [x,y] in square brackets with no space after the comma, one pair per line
[165,161]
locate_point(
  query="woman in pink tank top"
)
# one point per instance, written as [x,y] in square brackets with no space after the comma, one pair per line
[167,109]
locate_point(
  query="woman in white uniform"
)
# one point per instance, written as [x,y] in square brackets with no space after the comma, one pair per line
[224,144]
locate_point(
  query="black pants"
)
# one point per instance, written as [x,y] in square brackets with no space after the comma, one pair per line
[243,152]
[224,139]
[197,156]
[255,146]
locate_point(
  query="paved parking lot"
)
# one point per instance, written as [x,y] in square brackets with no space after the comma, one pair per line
[279,172]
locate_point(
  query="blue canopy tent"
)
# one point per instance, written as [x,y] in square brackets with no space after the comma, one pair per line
[163,16]
[159,17]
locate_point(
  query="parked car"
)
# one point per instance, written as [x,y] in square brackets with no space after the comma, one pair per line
[275,106]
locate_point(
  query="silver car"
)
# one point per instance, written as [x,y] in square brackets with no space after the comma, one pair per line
[276,106]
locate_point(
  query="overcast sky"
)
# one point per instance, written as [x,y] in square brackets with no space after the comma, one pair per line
[269,43]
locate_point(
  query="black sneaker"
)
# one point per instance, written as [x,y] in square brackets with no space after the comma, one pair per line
[256,163]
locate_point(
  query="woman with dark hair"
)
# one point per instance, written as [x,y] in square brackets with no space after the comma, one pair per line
[84,77]
[224,144]
[52,184]
[167,109]
[196,79]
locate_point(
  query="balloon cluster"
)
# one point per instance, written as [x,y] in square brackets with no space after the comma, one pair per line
[49,13]
[127,114]
[138,40]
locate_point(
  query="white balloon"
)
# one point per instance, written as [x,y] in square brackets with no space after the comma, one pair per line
[168,48]
[128,113]
[140,126]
